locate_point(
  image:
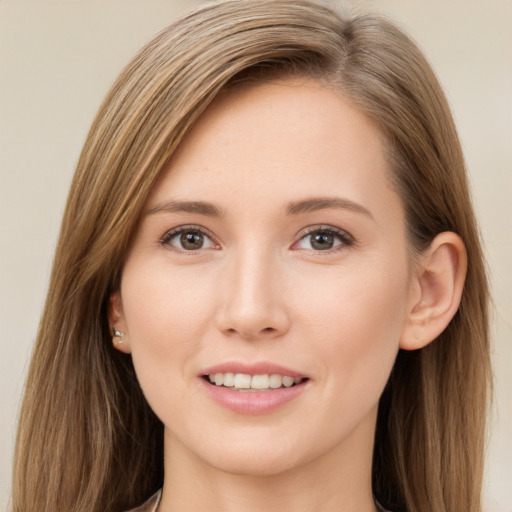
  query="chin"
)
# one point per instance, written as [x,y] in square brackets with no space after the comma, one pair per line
[262,456]
[257,465]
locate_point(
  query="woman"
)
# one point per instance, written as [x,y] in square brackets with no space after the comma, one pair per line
[271,222]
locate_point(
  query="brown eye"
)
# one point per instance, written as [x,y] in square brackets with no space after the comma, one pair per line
[322,240]
[188,240]
[191,240]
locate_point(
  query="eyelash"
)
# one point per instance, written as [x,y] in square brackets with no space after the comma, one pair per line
[173,233]
[345,239]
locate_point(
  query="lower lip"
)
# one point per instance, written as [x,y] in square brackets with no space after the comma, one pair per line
[253,402]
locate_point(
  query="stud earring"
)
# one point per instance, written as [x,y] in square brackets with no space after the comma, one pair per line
[116,333]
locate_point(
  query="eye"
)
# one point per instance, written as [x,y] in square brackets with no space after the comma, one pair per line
[188,239]
[324,239]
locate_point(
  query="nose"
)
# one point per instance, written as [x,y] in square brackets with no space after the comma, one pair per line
[252,293]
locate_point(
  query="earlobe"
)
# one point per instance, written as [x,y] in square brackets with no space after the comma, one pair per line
[117,323]
[438,282]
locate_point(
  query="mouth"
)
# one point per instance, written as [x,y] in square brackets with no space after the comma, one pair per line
[245,382]
[254,388]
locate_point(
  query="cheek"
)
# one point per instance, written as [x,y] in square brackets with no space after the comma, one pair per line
[166,315]
[357,318]
[160,303]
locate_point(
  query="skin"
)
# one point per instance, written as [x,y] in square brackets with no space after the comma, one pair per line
[258,290]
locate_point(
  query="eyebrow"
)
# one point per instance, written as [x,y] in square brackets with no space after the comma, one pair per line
[200,207]
[293,208]
[322,203]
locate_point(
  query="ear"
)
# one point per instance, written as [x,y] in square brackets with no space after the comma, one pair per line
[436,291]
[116,319]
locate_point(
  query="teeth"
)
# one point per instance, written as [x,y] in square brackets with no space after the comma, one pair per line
[229,379]
[260,381]
[245,381]
[242,381]
[275,381]
[287,381]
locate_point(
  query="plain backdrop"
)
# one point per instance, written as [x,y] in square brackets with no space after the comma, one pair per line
[57,60]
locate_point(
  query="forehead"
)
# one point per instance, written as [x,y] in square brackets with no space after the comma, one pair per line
[279,140]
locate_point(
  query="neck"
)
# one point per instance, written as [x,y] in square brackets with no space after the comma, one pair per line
[339,480]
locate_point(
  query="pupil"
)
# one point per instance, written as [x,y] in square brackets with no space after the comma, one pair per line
[322,241]
[191,240]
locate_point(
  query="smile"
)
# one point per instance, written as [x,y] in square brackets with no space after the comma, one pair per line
[246,382]
[253,389]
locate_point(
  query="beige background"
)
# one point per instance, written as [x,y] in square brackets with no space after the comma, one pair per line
[57,59]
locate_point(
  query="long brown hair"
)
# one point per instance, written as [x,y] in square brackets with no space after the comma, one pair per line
[87,439]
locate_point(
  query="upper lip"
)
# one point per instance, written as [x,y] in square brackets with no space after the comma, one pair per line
[259,368]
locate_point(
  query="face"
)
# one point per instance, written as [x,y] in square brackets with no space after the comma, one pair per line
[272,260]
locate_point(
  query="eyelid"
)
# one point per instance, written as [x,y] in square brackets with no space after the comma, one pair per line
[345,237]
[171,233]
[347,240]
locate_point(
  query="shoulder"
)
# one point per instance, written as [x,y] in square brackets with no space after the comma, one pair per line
[149,505]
